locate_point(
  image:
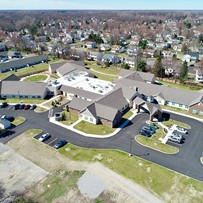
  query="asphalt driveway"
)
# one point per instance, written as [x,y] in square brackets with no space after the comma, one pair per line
[186,161]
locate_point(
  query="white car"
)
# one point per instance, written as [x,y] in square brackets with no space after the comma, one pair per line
[181,130]
[44,137]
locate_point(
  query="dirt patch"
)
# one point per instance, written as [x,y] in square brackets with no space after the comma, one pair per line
[17,173]
[119,188]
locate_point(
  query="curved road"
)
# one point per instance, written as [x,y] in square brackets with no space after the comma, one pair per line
[186,161]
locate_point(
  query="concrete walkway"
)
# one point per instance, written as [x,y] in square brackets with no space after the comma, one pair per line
[71,127]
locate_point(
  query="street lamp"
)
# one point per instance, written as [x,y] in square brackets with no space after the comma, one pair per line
[131,138]
[19,96]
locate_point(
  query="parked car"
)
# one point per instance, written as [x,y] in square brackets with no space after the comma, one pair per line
[176,138]
[148,128]
[3,104]
[154,126]
[145,133]
[181,130]
[60,144]
[21,106]
[44,137]
[32,106]
[16,106]
[10,118]
[27,106]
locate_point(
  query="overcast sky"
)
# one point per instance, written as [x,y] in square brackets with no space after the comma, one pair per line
[101,4]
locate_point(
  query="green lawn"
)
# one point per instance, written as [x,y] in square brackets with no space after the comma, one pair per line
[153,177]
[36,78]
[40,109]
[32,70]
[18,121]
[180,111]
[104,77]
[22,100]
[56,185]
[69,118]
[156,144]
[49,103]
[171,122]
[128,115]
[110,70]
[90,128]
[179,86]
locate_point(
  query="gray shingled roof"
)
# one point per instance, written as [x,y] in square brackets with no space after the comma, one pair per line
[20,63]
[153,108]
[11,77]
[55,66]
[79,104]
[70,67]
[80,92]
[114,99]
[170,94]
[140,75]
[106,112]
[22,88]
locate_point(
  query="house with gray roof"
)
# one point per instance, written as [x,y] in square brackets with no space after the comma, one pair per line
[22,89]
[22,63]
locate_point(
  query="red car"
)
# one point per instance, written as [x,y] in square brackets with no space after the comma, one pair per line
[27,106]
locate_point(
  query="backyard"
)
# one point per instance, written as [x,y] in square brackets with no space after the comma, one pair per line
[36,78]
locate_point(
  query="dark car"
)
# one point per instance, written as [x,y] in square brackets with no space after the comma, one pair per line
[16,106]
[60,144]
[10,118]
[27,106]
[21,106]
[3,104]
[145,133]
[149,128]
[32,107]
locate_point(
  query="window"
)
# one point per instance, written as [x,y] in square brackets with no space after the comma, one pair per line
[26,96]
[38,96]
[180,105]
[167,102]
[201,113]
[173,103]
[186,106]
[91,119]
[33,96]
[194,111]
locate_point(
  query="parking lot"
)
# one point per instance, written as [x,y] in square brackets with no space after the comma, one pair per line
[19,106]
[51,141]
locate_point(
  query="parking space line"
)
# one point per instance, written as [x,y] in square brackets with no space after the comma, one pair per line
[52,141]
[9,107]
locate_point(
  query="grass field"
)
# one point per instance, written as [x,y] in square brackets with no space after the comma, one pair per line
[36,78]
[90,128]
[180,111]
[22,100]
[155,178]
[18,121]
[56,185]
[31,69]
[69,118]
[104,77]
[171,122]
[156,144]
[180,86]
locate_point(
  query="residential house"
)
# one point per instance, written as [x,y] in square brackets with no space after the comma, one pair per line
[191,57]
[105,47]
[110,58]
[132,62]
[133,50]
[94,56]
[90,45]
[117,49]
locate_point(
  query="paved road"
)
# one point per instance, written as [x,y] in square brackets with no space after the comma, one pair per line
[186,161]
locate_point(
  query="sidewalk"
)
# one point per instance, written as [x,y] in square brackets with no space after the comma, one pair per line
[71,127]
